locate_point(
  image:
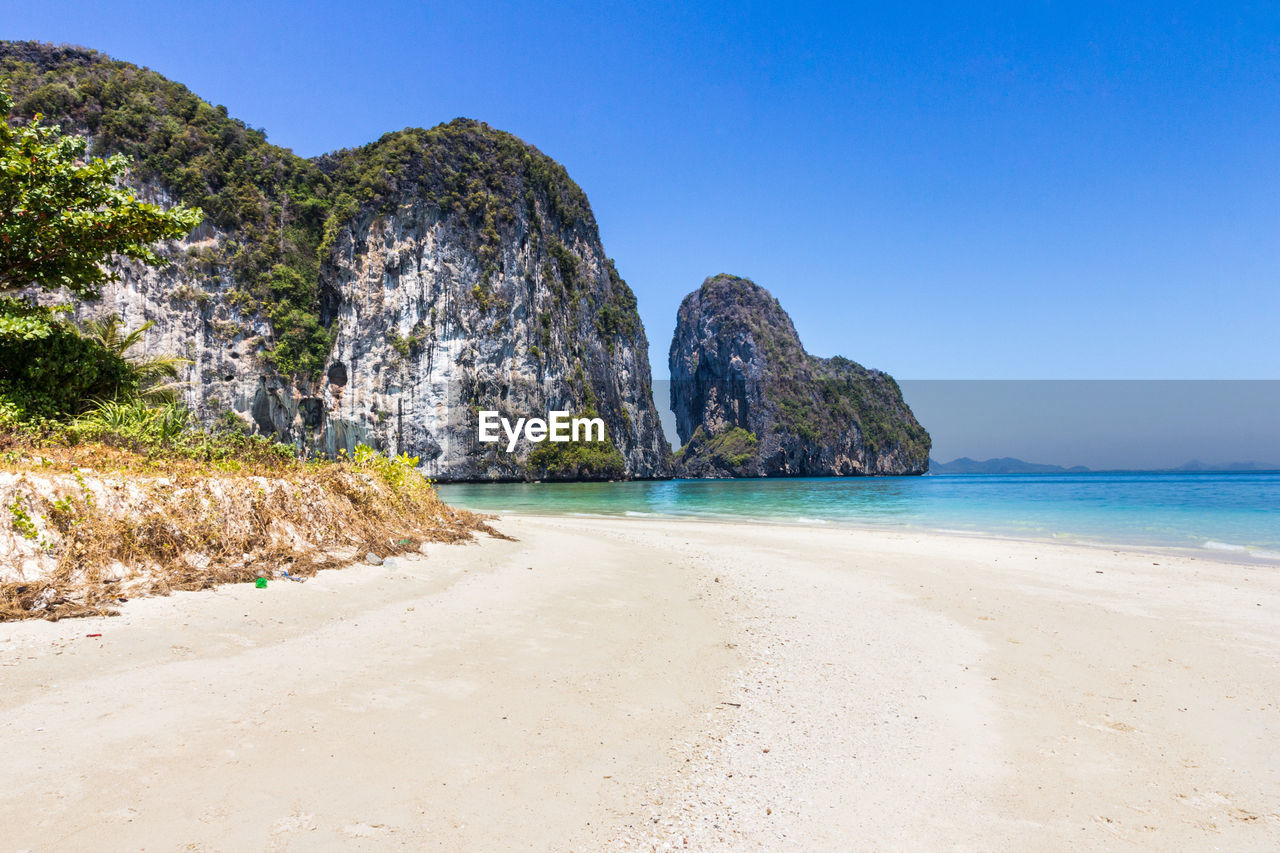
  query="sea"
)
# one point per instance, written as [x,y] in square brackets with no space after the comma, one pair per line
[1230,514]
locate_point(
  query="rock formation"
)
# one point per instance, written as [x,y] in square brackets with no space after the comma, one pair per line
[750,402]
[382,295]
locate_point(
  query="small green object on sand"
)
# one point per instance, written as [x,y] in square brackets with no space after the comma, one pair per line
[260,583]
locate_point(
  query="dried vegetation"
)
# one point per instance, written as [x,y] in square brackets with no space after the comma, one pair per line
[89,526]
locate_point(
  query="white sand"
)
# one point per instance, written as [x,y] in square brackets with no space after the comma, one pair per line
[628,684]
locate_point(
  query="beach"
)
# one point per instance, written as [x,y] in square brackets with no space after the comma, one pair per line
[636,684]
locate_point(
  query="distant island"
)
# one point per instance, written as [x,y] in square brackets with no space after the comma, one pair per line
[1012,465]
[1224,467]
[1003,465]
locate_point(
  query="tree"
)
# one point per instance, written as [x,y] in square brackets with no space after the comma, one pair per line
[65,218]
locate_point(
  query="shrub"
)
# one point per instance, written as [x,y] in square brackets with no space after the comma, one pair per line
[62,374]
[576,460]
[728,449]
[135,421]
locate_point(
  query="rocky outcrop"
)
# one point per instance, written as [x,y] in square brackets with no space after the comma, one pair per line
[382,295]
[750,402]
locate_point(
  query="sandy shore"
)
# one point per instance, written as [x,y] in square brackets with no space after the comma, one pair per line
[632,684]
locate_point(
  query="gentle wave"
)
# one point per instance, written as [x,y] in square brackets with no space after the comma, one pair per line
[1246,550]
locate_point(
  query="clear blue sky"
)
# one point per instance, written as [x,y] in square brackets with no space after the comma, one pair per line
[1034,190]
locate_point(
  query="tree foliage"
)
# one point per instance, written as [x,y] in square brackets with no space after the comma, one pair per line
[60,374]
[64,222]
[64,219]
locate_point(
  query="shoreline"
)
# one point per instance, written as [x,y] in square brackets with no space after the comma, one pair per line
[627,683]
[1238,555]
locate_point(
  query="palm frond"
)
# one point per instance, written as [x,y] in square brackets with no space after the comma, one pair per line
[108,332]
[165,394]
[157,368]
[152,374]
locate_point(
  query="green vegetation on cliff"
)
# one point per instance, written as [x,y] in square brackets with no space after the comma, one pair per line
[617,317]
[283,214]
[464,167]
[874,401]
[62,218]
[272,202]
[728,449]
[827,395]
[577,460]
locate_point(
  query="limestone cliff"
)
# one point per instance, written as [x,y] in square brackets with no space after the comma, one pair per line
[750,402]
[381,295]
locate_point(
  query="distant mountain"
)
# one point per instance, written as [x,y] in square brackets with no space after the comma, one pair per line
[1010,465]
[1197,465]
[1003,465]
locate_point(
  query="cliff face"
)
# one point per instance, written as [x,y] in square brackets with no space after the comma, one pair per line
[431,325]
[750,402]
[382,295]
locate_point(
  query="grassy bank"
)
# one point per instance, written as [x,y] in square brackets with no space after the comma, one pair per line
[93,517]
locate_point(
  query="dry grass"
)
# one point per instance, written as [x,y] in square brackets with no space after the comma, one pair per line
[106,525]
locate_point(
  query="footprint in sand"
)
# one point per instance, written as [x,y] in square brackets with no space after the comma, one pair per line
[1223,805]
[1108,725]
[126,814]
[296,822]
[214,814]
[361,829]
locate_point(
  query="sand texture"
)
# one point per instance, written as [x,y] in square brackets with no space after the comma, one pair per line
[639,684]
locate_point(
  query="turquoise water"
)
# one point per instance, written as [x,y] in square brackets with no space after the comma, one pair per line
[1237,513]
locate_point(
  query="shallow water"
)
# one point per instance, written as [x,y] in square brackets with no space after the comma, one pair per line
[1230,513]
